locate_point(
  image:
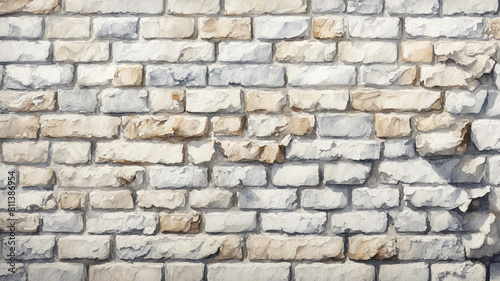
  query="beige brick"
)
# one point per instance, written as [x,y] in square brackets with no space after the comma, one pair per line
[277,247]
[27,101]
[167,199]
[392,126]
[417,51]
[240,7]
[28,223]
[71,152]
[149,127]
[101,176]
[225,28]
[493,27]
[180,222]
[18,127]
[167,100]
[228,125]
[68,27]
[245,151]
[305,51]
[328,27]
[79,126]
[167,27]
[25,152]
[36,7]
[139,152]
[193,6]
[126,271]
[73,200]
[365,247]
[81,51]
[121,199]
[36,177]
[267,101]
[128,76]
[400,100]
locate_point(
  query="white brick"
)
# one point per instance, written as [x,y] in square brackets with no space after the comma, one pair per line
[368,52]
[248,271]
[408,271]
[21,27]
[268,27]
[56,271]
[253,198]
[121,222]
[294,222]
[138,152]
[327,272]
[245,52]
[414,7]
[451,7]
[320,75]
[459,27]
[37,76]
[185,271]
[218,100]
[193,6]
[178,177]
[210,198]
[324,199]
[83,247]
[239,7]
[375,198]
[295,175]
[62,222]
[68,27]
[114,6]
[373,27]
[163,51]
[359,221]
[228,222]
[238,176]
[24,51]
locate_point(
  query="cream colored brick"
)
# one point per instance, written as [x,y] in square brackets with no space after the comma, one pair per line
[79,126]
[71,152]
[73,200]
[180,222]
[267,101]
[128,76]
[167,27]
[81,51]
[392,126]
[228,125]
[36,177]
[18,127]
[25,152]
[167,100]
[121,199]
[225,28]
[417,51]
[27,101]
[328,27]
[138,152]
[68,27]
[149,127]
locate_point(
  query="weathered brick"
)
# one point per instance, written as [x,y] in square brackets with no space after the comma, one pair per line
[184,271]
[166,100]
[344,172]
[321,75]
[270,76]
[227,125]
[267,27]
[470,7]
[126,271]
[245,52]
[57,271]
[71,152]
[485,134]
[150,127]
[316,100]
[193,6]
[240,7]
[62,222]
[167,27]
[122,27]
[180,222]
[431,247]
[36,200]
[294,222]
[35,7]
[211,198]
[458,27]
[417,51]
[25,222]
[73,200]
[236,176]
[218,100]
[27,101]
[138,152]
[341,125]
[411,271]
[365,6]
[36,177]
[392,125]
[295,175]
[167,199]
[173,247]
[324,199]
[420,7]
[368,52]
[31,247]
[67,27]
[359,222]
[277,247]
[21,27]
[163,51]
[254,198]
[466,270]
[225,28]
[114,6]
[81,51]
[77,100]
[37,76]
[385,75]
[373,27]
[18,127]
[368,247]
[325,272]
[83,247]
[176,75]
[329,27]
[25,152]
[101,176]
[121,222]
[95,74]
[178,177]
[24,51]
[79,126]
[328,6]
[248,271]
[230,222]
[121,199]
[375,198]
[402,100]
[305,51]
[264,125]
[123,101]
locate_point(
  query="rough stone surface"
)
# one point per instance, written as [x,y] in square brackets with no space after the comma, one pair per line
[377,247]
[81,247]
[359,221]
[300,222]
[248,271]
[59,271]
[324,272]
[268,27]
[430,247]
[125,271]
[346,173]
[37,76]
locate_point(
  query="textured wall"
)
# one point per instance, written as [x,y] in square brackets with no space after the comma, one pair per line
[250,140]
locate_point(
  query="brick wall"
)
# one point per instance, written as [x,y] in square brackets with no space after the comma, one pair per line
[250,140]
